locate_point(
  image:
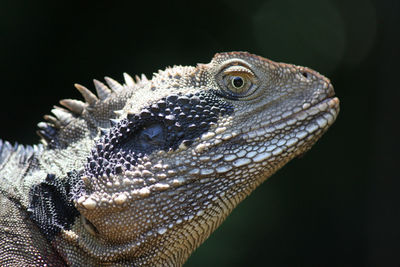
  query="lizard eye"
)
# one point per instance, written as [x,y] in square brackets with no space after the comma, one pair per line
[238,82]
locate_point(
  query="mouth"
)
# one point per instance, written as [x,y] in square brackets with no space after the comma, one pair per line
[316,117]
[329,105]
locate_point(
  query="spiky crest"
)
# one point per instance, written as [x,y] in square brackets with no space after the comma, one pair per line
[91,111]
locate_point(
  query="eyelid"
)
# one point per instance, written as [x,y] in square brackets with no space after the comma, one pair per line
[238,70]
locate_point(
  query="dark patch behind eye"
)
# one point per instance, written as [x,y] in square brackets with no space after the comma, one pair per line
[163,125]
[148,138]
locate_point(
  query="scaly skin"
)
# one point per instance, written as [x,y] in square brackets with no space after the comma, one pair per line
[183,149]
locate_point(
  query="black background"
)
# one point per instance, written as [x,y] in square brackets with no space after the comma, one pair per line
[338,205]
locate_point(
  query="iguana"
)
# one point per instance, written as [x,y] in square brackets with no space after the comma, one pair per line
[144,172]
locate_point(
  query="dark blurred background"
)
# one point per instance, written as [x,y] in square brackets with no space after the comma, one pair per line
[336,206]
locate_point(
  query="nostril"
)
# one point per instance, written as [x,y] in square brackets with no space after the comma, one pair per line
[305,74]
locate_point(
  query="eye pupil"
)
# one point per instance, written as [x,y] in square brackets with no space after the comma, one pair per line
[237,82]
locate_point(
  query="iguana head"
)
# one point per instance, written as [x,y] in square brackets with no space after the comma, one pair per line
[182,150]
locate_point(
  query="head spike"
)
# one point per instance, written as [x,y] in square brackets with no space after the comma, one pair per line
[89,97]
[119,113]
[144,78]
[113,122]
[102,90]
[103,131]
[137,78]
[42,125]
[63,115]
[52,120]
[46,131]
[43,137]
[128,80]
[114,85]
[73,105]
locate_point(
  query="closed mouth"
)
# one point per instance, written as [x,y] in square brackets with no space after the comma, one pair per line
[323,114]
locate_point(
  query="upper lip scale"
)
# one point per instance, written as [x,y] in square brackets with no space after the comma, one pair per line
[334,104]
